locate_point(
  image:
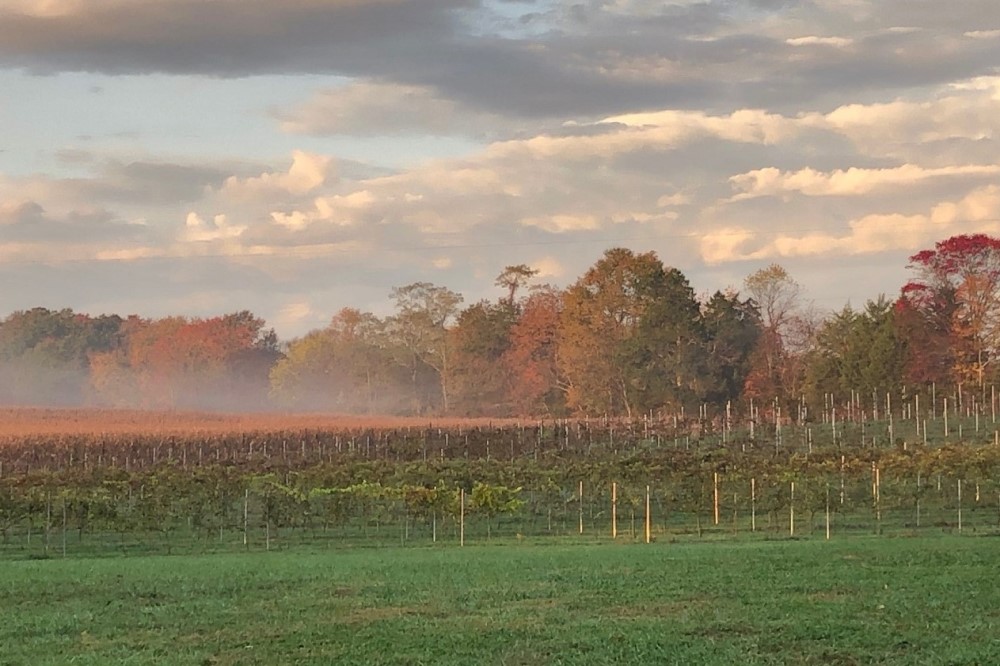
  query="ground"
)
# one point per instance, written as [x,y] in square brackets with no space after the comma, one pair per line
[26,421]
[927,600]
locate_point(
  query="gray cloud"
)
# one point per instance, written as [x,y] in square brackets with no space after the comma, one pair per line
[157,183]
[581,59]
[29,223]
[379,109]
[137,183]
[220,37]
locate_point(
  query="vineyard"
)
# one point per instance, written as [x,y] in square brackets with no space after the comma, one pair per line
[67,491]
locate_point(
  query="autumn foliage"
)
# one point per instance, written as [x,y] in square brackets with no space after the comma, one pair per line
[951,310]
[628,337]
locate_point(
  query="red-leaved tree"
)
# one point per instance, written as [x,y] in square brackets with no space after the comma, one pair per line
[951,309]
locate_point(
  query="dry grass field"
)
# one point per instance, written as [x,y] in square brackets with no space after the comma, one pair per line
[21,422]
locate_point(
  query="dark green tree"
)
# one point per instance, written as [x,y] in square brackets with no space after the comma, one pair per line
[732,326]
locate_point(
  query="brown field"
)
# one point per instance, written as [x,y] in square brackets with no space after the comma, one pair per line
[21,422]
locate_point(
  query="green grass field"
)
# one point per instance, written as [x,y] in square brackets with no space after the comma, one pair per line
[928,600]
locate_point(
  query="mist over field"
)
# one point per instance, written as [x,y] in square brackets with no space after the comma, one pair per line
[629,337]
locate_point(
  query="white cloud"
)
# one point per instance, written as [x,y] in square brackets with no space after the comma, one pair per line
[197,230]
[307,172]
[981,206]
[129,254]
[549,267]
[675,199]
[340,210]
[845,182]
[976,212]
[725,244]
[813,40]
[742,126]
[560,224]
[967,109]
[983,34]
[295,316]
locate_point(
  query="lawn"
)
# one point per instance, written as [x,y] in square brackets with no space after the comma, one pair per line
[928,600]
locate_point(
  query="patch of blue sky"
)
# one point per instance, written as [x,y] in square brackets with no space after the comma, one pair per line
[511,19]
[187,119]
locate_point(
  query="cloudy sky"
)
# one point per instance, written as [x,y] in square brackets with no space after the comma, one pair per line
[295,157]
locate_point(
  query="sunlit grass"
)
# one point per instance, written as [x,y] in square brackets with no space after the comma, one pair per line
[861,600]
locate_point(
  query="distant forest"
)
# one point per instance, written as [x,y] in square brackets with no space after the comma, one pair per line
[629,337]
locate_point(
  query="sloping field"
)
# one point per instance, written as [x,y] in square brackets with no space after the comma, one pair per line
[861,601]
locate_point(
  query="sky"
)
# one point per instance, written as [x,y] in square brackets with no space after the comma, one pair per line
[200,157]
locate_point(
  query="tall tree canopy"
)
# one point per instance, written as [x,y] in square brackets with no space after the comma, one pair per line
[957,288]
[629,335]
[774,367]
[420,328]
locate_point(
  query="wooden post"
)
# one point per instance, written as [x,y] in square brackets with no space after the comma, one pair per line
[753,504]
[918,499]
[614,510]
[48,519]
[715,496]
[581,507]
[461,519]
[736,524]
[246,516]
[791,512]
[843,463]
[960,506]
[64,528]
[878,498]
[649,523]
[828,512]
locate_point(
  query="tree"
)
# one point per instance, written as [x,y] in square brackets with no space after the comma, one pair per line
[218,363]
[513,278]
[777,297]
[923,325]
[856,351]
[628,335]
[960,279]
[879,350]
[732,328]
[478,378]
[536,382]
[601,312]
[44,354]
[667,356]
[776,294]
[833,364]
[420,326]
[345,367]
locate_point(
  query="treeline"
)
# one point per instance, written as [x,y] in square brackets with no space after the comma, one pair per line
[61,358]
[629,337]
